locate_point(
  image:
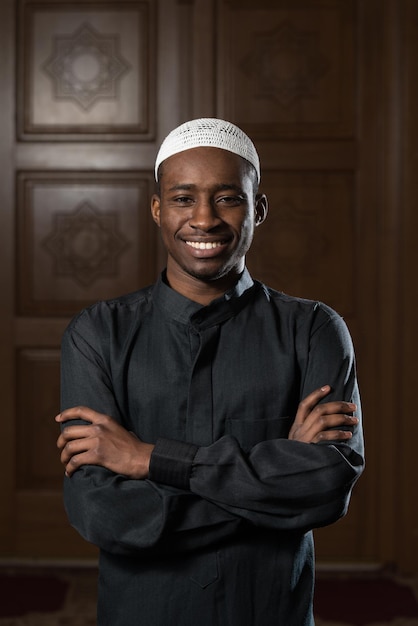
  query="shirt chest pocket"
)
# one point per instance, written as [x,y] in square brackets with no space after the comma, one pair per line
[250,432]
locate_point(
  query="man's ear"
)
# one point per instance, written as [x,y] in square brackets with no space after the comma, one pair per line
[155,209]
[261,208]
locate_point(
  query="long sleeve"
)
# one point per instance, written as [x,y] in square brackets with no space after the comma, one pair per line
[279,483]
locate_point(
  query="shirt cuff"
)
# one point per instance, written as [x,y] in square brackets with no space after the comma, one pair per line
[171,463]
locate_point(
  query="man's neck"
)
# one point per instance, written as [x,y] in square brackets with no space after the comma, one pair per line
[200,291]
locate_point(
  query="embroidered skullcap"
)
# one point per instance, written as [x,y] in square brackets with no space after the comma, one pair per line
[208,132]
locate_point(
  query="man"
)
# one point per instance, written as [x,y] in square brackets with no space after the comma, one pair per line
[207,421]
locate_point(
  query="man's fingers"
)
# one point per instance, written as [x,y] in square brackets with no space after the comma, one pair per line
[337,407]
[71,433]
[307,404]
[75,461]
[74,452]
[330,415]
[327,423]
[333,435]
[324,426]
[80,412]
[72,448]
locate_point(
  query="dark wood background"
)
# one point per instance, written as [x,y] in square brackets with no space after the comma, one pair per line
[327,89]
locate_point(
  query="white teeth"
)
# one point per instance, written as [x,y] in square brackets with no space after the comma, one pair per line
[201,245]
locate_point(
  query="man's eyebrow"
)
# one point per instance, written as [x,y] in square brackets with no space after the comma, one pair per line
[219,187]
[229,187]
[182,186]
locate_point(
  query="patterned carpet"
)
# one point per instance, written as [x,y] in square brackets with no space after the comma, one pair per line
[67,597]
[77,605]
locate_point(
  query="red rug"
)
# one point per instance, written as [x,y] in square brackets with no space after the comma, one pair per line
[363,600]
[67,597]
[20,594]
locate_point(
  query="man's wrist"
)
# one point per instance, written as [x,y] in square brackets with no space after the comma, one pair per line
[171,462]
[145,459]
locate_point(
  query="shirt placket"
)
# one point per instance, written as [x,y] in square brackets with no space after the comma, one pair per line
[199,424]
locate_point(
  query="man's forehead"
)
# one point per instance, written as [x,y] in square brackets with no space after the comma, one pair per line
[205,166]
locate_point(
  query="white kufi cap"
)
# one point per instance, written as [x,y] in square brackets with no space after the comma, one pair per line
[208,132]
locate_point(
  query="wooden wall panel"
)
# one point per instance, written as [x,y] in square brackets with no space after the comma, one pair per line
[87,69]
[311,214]
[289,67]
[41,527]
[38,397]
[82,237]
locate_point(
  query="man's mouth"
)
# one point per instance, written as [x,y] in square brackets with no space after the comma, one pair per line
[205,245]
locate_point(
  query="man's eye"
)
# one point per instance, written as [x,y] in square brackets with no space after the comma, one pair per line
[182,200]
[231,200]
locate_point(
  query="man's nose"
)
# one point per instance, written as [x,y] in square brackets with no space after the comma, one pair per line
[204,215]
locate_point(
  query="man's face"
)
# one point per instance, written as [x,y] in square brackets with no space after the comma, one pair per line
[207,210]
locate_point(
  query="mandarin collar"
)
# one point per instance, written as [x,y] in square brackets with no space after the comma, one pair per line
[179,308]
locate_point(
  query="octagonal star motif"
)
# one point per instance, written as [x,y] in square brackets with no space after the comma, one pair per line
[86,66]
[285,64]
[85,244]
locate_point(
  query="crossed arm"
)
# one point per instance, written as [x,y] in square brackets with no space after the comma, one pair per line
[104,442]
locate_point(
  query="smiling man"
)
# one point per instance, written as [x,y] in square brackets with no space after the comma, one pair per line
[207,210]
[208,422]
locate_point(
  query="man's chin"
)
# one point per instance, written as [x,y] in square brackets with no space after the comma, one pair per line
[211,276]
[206,277]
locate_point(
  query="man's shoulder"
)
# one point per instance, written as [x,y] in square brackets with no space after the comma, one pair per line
[132,299]
[296,305]
[103,312]
[281,298]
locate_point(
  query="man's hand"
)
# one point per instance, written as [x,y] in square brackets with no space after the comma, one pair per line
[319,422]
[101,442]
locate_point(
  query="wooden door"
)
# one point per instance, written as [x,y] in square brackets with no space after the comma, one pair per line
[89,90]
[77,166]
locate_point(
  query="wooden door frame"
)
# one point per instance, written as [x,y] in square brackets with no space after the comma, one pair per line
[404,417]
[7,360]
